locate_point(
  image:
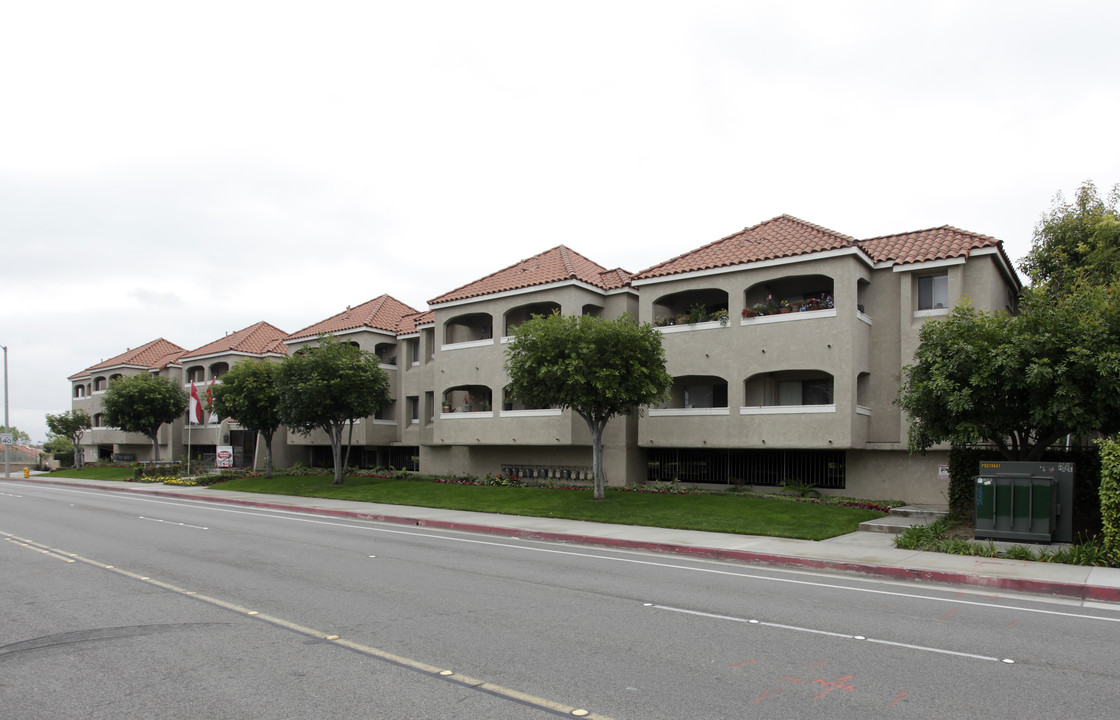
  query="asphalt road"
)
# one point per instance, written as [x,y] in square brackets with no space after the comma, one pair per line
[117,606]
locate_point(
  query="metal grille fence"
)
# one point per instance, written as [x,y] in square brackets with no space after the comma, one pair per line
[822,468]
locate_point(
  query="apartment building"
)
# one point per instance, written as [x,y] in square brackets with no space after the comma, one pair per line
[786,342]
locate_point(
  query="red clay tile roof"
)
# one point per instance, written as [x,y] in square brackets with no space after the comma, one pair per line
[783,236]
[939,243]
[411,323]
[259,339]
[154,355]
[382,313]
[555,265]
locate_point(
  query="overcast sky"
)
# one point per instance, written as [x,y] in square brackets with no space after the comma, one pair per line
[182,170]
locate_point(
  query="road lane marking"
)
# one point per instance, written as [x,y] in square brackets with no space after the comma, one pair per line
[373,525]
[827,633]
[39,549]
[499,691]
[172,522]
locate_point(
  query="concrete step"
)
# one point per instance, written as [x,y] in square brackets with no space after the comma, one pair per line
[902,518]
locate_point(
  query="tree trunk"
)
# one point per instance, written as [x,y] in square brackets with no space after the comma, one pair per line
[267,454]
[335,434]
[596,428]
[155,444]
[78,454]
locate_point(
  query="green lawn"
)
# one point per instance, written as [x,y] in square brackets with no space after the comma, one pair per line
[93,473]
[742,514]
[746,515]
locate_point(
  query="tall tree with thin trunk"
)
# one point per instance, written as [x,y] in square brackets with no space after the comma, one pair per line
[247,394]
[599,368]
[71,424]
[142,403]
[327,387]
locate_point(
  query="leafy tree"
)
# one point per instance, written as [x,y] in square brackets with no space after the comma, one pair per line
[328,387]
[141,403]
[1020,382]
[69,426]
[1076,243]
[598,368]
[19,437]
[248,395]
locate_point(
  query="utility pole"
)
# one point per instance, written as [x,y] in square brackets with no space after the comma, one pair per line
[7,425]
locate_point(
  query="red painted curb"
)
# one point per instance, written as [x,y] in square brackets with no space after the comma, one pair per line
[1098,593]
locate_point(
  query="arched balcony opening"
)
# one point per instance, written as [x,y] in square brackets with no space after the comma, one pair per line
[522,313]
[386,353]
[509,402]
[471,327]
[98,420]
[800,293]
[100,383]
[698,392]
[79,391]
[691,307]
[592,310]
[467,399]
[115,376]
[863,392]
[863,288]
[218,369]
[789,388]
[196,373]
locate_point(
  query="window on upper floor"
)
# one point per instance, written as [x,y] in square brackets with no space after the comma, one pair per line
[196,373]
[79,391]
[218,369]
[99,384]
[933,292]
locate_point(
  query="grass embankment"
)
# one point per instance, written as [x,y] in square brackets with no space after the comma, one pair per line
[741,514]
[94,473]
[746,515]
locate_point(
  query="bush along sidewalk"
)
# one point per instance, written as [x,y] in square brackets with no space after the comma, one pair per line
[934,538]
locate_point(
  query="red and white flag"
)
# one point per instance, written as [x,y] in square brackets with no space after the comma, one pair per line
[196,407]
[213,416]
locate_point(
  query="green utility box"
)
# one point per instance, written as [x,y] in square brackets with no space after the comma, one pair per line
[1025,501]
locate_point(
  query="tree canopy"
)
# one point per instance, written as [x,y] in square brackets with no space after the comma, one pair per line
[1077,243]
[19,437]
[141,403]
[1021,382]
[598,368]
[328,387]
[248,395]
[71,425]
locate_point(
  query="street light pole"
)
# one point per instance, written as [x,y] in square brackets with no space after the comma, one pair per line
[7,425]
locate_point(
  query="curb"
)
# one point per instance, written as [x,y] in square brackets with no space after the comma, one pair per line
[1096,593]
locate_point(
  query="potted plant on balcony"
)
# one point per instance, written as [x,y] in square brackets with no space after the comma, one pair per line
[468,403]
[445,406]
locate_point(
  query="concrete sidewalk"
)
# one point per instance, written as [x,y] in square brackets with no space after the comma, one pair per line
[865,553]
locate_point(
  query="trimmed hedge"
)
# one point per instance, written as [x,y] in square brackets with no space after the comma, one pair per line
[1110,499]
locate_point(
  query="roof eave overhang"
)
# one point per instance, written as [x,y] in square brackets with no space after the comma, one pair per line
[759,264]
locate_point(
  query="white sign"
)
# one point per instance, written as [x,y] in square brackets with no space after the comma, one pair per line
[7,439]
[225,456]
[943,471]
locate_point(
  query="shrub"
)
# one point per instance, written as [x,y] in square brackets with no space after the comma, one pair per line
[1110,500]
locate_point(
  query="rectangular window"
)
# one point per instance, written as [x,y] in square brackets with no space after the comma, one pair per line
[414,409]
[933,292]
